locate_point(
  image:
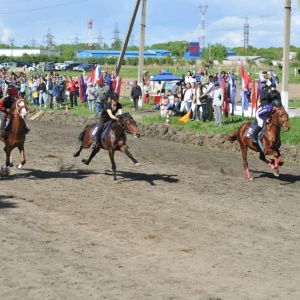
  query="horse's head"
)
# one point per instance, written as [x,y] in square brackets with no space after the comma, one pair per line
[127,122]
[21,108]
[280,118]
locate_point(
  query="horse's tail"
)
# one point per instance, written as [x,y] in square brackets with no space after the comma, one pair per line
[81,135]
[231,138]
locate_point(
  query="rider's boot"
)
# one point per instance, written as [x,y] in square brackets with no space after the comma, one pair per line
[2,125]
[255,134]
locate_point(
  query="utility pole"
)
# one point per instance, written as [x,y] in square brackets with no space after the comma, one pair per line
[286,54]
[122,53]
[142,44]
[76,45]
[49,41]
[33,42]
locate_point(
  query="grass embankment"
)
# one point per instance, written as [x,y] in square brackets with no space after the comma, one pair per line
[231,123]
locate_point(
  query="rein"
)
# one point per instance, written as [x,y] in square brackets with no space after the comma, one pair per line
[124,126]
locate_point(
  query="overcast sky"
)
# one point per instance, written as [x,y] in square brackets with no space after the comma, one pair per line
[23,21]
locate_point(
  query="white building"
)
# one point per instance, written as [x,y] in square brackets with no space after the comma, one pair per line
[20,52]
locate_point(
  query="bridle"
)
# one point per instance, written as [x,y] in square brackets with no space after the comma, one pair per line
[278,124]
[124,126]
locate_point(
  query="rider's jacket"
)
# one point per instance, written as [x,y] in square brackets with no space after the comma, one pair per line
[264,111]
[6,103]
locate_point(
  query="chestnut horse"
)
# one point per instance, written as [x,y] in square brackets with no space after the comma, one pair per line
[114,140]
[270,141]
[15,134]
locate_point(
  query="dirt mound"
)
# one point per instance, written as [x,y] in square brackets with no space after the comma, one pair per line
[162,132]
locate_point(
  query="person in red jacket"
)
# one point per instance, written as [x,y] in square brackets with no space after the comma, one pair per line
[72,87]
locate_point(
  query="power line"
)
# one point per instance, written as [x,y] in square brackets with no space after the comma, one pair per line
[39,8]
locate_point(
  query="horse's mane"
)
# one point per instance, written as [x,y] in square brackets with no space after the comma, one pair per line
[125,116]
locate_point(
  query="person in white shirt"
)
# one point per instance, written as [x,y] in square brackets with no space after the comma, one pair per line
[217,103]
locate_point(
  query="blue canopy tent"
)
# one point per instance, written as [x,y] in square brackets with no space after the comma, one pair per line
[165,76]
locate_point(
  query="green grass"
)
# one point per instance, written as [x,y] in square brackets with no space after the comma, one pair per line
[294,103]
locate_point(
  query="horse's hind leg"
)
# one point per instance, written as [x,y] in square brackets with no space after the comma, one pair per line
[245,161]
[94,152]
[124,150]
[78,152]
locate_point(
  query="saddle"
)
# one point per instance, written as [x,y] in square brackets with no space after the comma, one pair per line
[104,130]
[251,129]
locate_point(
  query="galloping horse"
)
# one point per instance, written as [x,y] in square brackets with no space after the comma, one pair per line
[270,141]
[114,140]
[15,133]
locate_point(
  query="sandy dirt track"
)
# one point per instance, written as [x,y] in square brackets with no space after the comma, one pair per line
[186,224]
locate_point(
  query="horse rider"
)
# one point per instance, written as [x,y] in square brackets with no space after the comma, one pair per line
[108,113]
[5,108]
[263,112]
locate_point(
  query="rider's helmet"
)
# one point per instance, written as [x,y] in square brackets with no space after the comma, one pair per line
[13,91]
[277,103]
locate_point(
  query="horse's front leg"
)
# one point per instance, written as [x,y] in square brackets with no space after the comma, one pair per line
[263,158]
[22,157]
[113,164]
[124,150]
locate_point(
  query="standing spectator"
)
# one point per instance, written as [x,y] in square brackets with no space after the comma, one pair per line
[197,101]
[204,77]
[158,87]
[55,94]
[217,103]
[49,85]
[42,93]
[91,96]
[189,78]
[29,89]
[175,89]
[35,94]
[73,91]
[146,93]
[210,95]
[187,99]
[102,91]
[136,93]
[22,88]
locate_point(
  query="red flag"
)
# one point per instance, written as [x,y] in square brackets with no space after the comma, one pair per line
[245,78]
[225,106]
[118,84]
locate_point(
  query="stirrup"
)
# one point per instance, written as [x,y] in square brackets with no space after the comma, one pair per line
[3,133]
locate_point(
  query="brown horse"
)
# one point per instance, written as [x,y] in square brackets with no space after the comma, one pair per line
[114,140]
[15,134]
[270,141]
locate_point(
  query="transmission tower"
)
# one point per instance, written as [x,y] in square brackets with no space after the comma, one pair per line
[90,27]
[49,41]
[76,45]
[116,37]
[203,9]
[132,40]
[33,42]
[11,41]
[246,34]
[100,40]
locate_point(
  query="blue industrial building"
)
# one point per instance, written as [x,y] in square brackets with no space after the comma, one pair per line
[151,53]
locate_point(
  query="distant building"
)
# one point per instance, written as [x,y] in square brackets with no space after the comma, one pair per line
[20,52]
[256,59]
[152,53]
[188,56]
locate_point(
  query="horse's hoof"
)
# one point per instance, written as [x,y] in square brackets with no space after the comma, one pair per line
[276,174]
[11,164]
[75,154]
[137,164]
[250,179]
[85,161]
[19,166]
